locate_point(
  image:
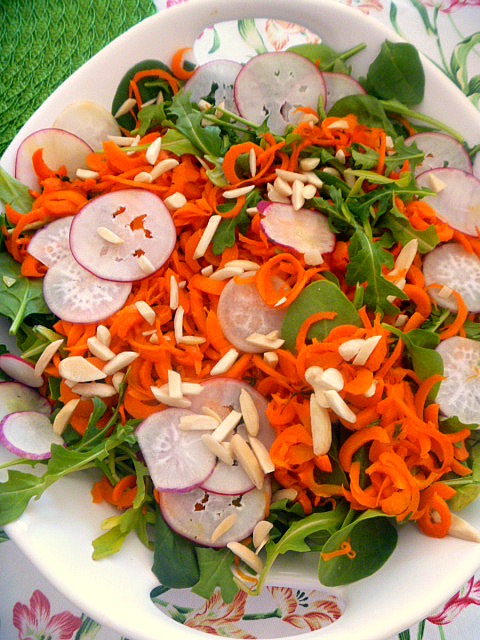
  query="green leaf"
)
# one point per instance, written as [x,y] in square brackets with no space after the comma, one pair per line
[14,193]
[420,345]
[403,231]
[215,571]
[325,57]
[322,295]
[189,122]
[372,537]
[109,543]
[368,110]
[16,493]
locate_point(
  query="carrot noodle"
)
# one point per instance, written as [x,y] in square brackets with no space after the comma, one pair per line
[344,550]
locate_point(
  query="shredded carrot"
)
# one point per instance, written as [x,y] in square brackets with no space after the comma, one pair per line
[177,64]
[344,550]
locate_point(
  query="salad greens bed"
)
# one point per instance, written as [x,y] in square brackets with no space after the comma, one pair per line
[394,85]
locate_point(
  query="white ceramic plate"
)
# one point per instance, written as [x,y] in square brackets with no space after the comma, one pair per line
[56,532]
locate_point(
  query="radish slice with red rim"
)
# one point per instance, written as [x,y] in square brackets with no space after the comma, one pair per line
[89,121]
[51,243]
[227,480]
[216,77]
[274,85]
[304,231]
[441,150]
[20,370]
[28,434]
[15,397]
[74,294]
[340,85]
[241,312]
[459,393]
[60,148]
[452,266]
[457,198]
[176,460]
[195,515]
[144,228]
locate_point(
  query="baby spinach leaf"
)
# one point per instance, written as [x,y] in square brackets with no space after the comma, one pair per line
[14,193]
[372,537]
[368,110]
[420,345]
[326,58]
[215,571]
[225,235]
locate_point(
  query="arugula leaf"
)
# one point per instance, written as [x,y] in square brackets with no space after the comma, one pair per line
[420,345]
[403,231]
[225,235]
[189,122]
[14,193]
[214,565]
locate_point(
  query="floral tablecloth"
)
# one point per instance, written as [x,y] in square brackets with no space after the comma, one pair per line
[447,31]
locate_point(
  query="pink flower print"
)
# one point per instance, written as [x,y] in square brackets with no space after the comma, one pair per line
[171,3]
[34,622]
[303,610]
[278,33]
[366,5]
[448,6]
[220,618]
[469,594]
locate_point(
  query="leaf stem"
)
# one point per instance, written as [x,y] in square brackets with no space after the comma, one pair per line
[393,106]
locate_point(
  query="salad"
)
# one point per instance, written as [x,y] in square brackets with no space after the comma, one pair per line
[246,299]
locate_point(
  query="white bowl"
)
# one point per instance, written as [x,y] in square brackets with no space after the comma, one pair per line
[56,532]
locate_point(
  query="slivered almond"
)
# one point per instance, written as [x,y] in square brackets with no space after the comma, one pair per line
[246,555]
[125,107]
[145,265]
[460,528]
[173,293]
[227,425]
[339,406]
[191,388]
[313,179]
[264,342]
[62,418]
[153,151]
[444,292]
[98,349]
[161,395]
[175,201]
[174,384]
[370,392]
[321,426]
[154,338]
[261,534]
[407,255]
[262,455]
[280,301]
[366,350]
[274,196]
[225,273]
[208,411]
[46,356]
[249,413]
[163,166]
[191,340]
[144,177]
[298,199]
[197,422]
[436,184]
[271,358]
[224,527]
[86,174]
[78,369]
[309,191]
[207,271]
[207,236]
[284,494]
[94,390]
[146,311]
[119,362]
[252,162]
[350,348]
[109,236]
[313,257]
[104,335]
[121,141]
[236,193]
[340,156]
[117,379]
[338,124]
[290,176]
[309,164]
[283,187]
[331,378]
[333,172]
[245,265]
[400,320]
[247,460]
[225,362]
[178,323]
[217,448]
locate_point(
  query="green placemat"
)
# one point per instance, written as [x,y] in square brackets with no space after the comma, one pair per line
[42,42]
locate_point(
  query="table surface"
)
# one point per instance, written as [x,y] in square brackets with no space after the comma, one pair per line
[447,31]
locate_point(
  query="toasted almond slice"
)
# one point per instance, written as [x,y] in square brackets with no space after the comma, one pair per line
[125,107]
[309,164]
[175,201]
[217,448]
[146,311]
[145,265]
[174,384]
[321,426]
[224,527]
[46,356]
[178,323]
[262,455]
[62,418]
[236,193]
[339,406]
[163,166]
[247,460]
[246,555]
[78,369]
[225,362]
[109,236]
[153,151]
[104,335]
[227,425]
[350,348]
[161,395]
[366,350]
[207,236]
[197,422]
[261,534]
[98,349]
[249,413]
[94,390]
[119,362]
[460,528]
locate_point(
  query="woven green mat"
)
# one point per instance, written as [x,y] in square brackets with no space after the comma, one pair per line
[42,42]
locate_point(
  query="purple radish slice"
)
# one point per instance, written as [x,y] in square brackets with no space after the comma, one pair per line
[28,434]
[144,228]
[274,85]
[457,198]
[89,121]
[304,231]
[15,397]
[241,312]
[60,148]
[176,460]
[20,370]
[340,85]
[459,393]
[451,266]
[75,295]
[196,514]
[51,243]
[227,480]
[216,73]
[441,150]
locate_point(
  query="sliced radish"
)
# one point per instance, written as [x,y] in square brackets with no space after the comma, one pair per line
[15,397]
[177,460]
[196,514]
[20,370]
[274,85]
[74,294]
[441,150]
[217,77]
[242,312]
[141,222]
[304,231]
[452,266]
[51,243]
[60,148]
[459,393]
[227,480]
[340,85]
[457,199]
[28,434]
[89,121]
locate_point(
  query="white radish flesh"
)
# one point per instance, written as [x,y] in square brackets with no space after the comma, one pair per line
[89,121]
[459,393]
[216,76]
[242,312]
[177,460]
[74,294]
[275,85]
[60,148]
[451,266]
[20,370]
[227,480]
[136,216]
[196,514]
[51,243]
[458,202]
[441,150]
[340,85]
[28,434]
[15,396]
